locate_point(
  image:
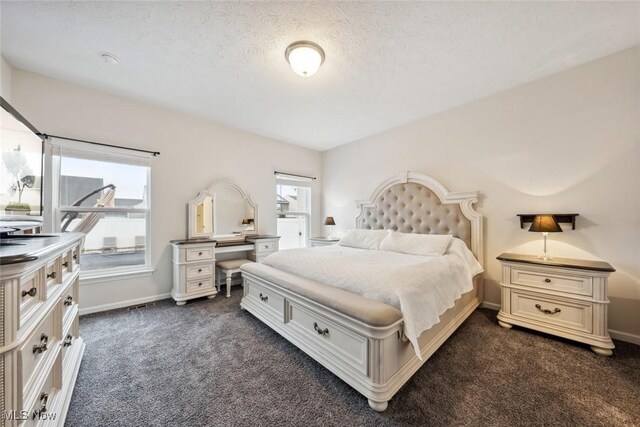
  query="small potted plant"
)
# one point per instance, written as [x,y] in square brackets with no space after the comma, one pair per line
[16,163]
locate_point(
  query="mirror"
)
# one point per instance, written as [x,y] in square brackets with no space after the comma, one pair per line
[222,212]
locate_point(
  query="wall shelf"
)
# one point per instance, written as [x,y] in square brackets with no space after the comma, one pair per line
[561,218]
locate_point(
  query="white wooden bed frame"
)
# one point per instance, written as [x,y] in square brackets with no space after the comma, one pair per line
[376,361]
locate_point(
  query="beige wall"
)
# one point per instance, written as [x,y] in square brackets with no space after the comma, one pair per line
[194,154]
[5,79]
[566,143]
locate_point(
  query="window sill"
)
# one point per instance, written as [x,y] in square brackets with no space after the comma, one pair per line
[89,278]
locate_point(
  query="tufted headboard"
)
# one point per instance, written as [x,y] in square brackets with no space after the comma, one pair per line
[416,203]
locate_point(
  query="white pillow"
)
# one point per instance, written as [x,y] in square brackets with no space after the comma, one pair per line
[416,244]
[363,239]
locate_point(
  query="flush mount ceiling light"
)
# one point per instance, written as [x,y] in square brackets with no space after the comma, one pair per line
[304,57]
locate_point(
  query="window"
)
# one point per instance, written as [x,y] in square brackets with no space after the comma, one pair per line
[293,210]
[105,194]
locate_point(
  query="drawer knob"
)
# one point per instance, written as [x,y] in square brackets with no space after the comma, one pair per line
[51,275]
[75,257]
[65,264]
[68,300]
[324,331]
[67,341]
[264,298]
[547,311]
[39,348]
[200,284]
[199,253]
[547,280]
[31,292]
[199,270]
[44,398]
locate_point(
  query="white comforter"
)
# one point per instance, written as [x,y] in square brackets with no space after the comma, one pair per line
[421,287]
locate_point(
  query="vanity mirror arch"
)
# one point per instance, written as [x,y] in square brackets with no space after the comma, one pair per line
[224,212]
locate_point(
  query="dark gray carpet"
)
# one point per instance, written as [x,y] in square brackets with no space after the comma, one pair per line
[210,363]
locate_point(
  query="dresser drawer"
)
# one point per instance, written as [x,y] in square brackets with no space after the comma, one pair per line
[573,284]
[271,301]
[30,294]
[75,257]
[331,337]
[69,338]
[66,264]
[39,345]
[200,253]
[199,270]
[262,247]
[200,284]
[52,274]
[39,413]
[571,315]
[70,297]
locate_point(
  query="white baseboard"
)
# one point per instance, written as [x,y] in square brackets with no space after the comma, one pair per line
[122,304]
[490,305]
[625,336]
[618,335]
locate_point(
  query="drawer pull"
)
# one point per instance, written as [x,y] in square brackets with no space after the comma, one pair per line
[68,300]
[31,292]
[44,398]
[547,280]
[51,275]
[39,348]
[324,331]
[547,311]
[67,341]
[75,257]
[199,253]
[65,264]
[264,298]
[200,284]
[199,270]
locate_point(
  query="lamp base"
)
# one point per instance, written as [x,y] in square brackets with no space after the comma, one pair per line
[545,257]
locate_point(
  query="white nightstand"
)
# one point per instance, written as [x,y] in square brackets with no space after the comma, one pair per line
[322,241]
[563,297]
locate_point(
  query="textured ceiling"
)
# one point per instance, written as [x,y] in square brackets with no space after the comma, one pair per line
[387,63]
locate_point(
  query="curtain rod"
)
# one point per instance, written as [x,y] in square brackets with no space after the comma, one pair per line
[293,174]
[46,135]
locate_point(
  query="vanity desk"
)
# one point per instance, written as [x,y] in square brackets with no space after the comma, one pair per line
[222,226]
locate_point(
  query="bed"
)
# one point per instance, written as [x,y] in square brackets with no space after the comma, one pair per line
[364,340]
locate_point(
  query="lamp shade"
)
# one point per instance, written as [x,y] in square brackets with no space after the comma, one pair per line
[329,221]
[545,224]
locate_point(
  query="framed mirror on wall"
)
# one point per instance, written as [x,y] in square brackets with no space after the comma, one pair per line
[223,212]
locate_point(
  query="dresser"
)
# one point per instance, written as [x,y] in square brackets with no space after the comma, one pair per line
[314,242]
[41,346]
[560,296]
[194,268]
[263,246]
[194,262]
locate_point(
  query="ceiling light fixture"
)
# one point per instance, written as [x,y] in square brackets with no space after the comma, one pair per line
[109,58]
[304,57]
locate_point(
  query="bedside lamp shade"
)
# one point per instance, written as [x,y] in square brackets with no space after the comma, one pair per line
[545,224]
[329,221]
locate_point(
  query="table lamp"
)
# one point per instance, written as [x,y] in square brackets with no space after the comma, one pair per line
[329,221]
[545,223]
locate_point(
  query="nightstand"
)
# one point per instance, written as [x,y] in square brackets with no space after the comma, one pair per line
[560,296]
[322,241]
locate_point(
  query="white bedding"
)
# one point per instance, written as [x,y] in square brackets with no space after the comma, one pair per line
[421,287]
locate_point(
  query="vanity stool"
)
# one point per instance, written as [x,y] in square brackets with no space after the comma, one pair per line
[228,268]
